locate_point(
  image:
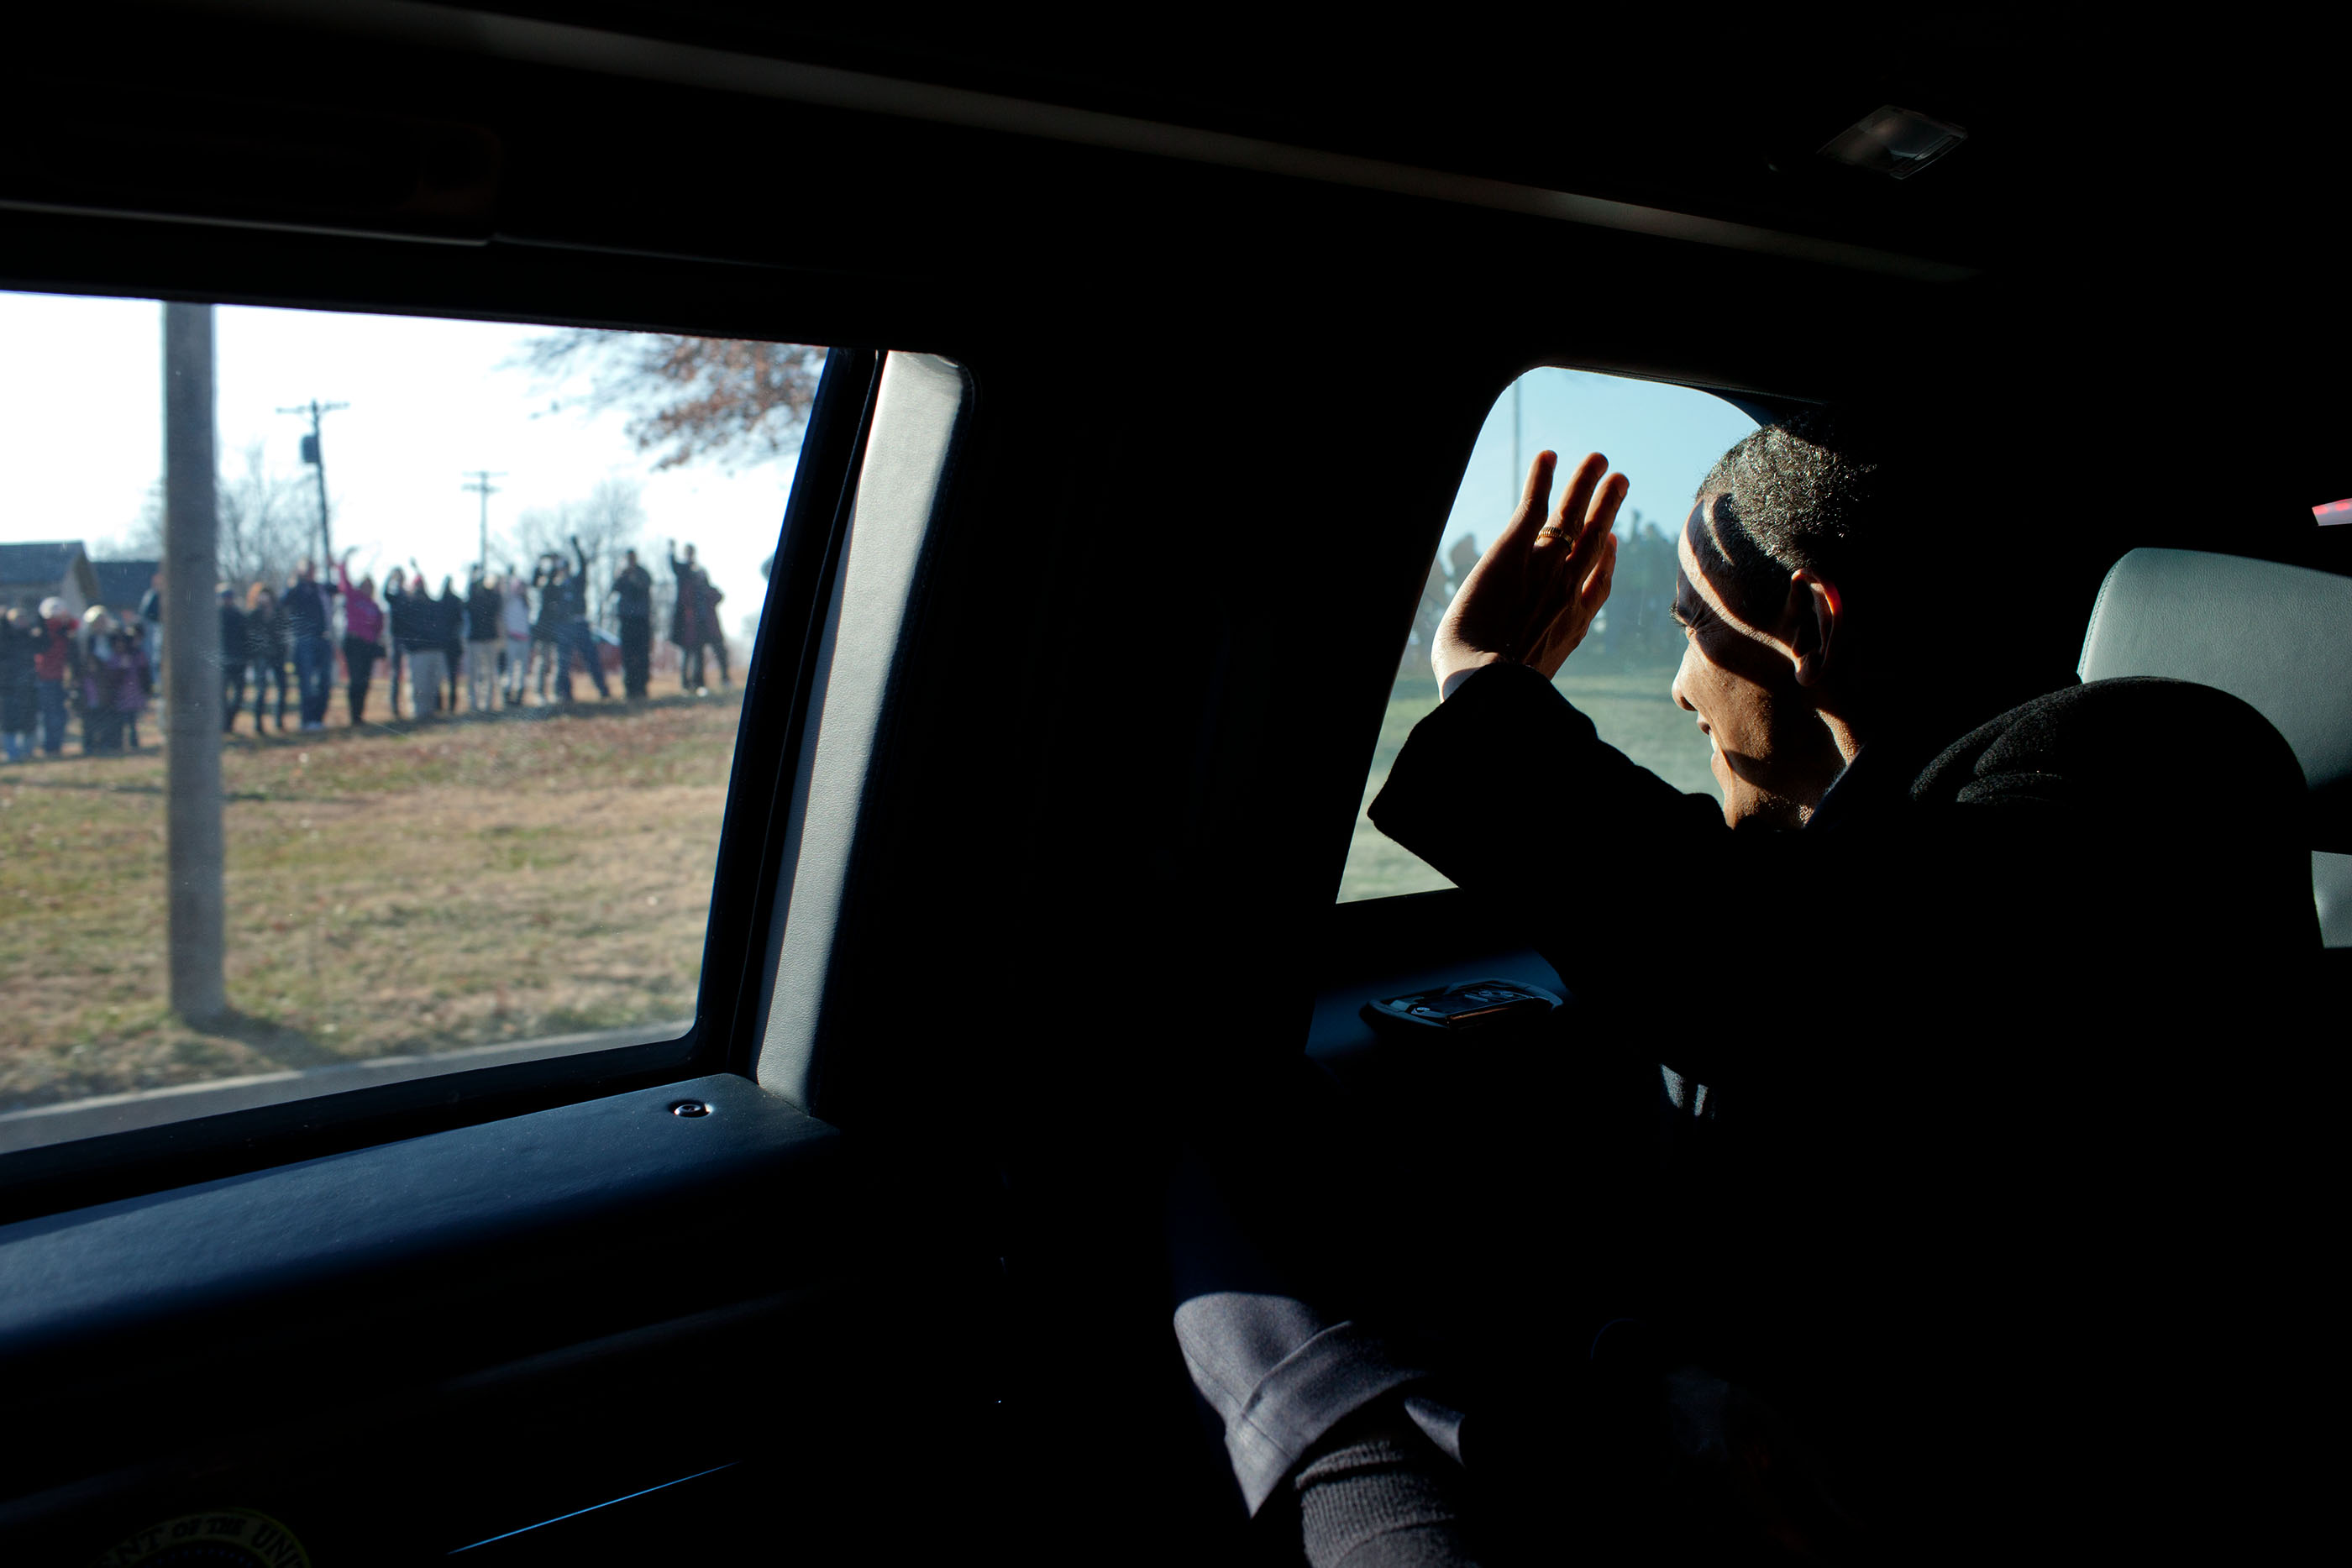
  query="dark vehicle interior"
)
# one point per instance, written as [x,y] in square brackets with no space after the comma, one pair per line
[869,1265]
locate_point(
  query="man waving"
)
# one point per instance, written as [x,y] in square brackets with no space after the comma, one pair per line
[1958,1170]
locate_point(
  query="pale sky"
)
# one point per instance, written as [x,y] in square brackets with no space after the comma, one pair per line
[81,434]
[1662,438]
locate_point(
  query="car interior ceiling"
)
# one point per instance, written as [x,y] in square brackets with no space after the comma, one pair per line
[921,1309]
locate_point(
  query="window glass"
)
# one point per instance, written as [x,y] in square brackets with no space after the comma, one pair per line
[482,599]
[1664,438]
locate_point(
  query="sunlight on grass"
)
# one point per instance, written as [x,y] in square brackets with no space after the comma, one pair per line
[388,893]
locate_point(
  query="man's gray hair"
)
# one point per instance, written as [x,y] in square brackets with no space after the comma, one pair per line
[1820,492]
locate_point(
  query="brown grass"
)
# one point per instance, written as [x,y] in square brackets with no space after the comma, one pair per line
[399,891]
[389,892]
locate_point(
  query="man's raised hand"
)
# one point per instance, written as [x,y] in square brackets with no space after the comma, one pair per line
[1532,596]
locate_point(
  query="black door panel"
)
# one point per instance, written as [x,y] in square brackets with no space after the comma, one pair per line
[437,1342]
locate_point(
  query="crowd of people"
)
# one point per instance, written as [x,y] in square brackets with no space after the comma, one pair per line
[491,644]
[55,663]
[1639,625]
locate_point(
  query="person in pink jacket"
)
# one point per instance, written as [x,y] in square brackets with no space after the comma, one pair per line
[362,633]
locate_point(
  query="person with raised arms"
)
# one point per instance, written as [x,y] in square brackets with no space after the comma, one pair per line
[362,635]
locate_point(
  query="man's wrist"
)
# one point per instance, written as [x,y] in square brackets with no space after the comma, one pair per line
[1450,681]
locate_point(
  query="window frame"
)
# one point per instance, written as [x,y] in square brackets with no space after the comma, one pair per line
[1761,407]
[104,1166]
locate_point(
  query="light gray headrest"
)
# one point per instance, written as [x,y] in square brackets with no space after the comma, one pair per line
[2278,637]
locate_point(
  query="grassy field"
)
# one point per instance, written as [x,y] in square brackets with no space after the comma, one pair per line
[1631,709]
[423,888]
[389,891]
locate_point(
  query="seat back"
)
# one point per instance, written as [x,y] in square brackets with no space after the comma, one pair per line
[2277,637]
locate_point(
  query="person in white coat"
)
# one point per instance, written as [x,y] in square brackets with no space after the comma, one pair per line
[516,623]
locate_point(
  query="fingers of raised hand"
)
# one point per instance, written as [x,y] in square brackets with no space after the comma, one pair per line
[1583,549]
[1533,498]
[1569,531]
[1576,501]
[1606,501]
[1594,590]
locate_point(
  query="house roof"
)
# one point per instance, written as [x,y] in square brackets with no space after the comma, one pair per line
[45,563]
[28,571]
[122,584]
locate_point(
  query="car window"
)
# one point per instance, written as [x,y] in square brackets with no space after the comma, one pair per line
[1665,438]
[482,599]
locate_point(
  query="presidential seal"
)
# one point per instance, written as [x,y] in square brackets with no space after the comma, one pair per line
[219,1538]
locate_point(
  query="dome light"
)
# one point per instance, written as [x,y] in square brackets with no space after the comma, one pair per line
[1895,142]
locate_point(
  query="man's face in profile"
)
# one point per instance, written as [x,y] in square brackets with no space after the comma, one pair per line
[1771,752]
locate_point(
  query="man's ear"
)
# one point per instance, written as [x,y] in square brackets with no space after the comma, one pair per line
[1815,612]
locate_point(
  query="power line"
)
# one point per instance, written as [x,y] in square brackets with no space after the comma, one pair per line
[314,452]
[480,485]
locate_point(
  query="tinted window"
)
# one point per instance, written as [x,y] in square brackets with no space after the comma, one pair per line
[1665,438]
[473,761]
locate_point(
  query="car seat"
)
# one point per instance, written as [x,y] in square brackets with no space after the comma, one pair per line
[2277,637]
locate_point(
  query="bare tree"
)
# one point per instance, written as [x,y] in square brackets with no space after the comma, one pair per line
[536,532]
[268,520]
[607,523]
[730,400]
[608,520]
[143,539]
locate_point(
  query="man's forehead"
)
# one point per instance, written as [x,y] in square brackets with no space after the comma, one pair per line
[1703,565]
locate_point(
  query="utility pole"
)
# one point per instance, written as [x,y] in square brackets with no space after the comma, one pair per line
[1518,469]
[314,452]
[192,665]
[482,486]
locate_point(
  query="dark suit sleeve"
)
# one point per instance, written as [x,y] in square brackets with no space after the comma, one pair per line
[1489,787]
[2133,827]
[1510,791]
